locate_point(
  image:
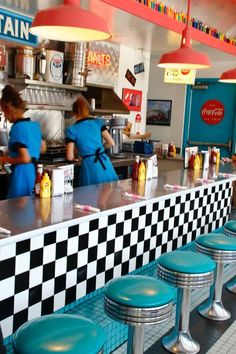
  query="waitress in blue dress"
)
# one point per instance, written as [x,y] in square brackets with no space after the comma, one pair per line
[25,144]
[90,137]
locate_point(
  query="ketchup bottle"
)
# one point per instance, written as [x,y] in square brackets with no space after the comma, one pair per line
[39,176]
[136,168]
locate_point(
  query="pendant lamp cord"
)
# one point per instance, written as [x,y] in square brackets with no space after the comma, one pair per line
[186,35]
[188,13]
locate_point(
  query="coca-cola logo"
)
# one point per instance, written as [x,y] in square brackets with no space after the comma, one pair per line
[212,112]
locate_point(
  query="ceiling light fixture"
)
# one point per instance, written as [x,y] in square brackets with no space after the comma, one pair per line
[69,23]
[185,57]
[228,76]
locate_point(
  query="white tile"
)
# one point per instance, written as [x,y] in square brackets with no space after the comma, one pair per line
[101,252]
[127,226]
[93,238]
[91,269]
[7,326]
[62,234]
[109,261]
[84,228]
[49,253]
[34,311]
[7,288]
[22,263]
[120,217]
[8,251]
[36,242]
[71,278]
[111,232]
[48,289]
[81,290]
[73,244]
[59,300]
[100,280]
[60,266]
[36,276]
[118,244]
[82,258]
[21,301]
[103,222]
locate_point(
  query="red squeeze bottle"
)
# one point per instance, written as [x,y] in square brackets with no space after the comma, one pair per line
[135,168]
[39,176]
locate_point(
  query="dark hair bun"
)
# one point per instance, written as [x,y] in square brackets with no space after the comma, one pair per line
[11,96]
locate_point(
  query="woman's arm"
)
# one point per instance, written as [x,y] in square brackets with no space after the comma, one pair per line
[43,148]
[23,157]
[70,151]
[109,142]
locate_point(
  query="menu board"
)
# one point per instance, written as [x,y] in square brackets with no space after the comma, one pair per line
[180,76]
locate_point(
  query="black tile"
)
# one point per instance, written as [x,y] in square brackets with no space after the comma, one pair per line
[50,238]
[22,246]
[146,245]
[72,261]
[133,251]
[83,242]
[93,225]
[61,249]
[109,274]
[141,234]
[35,295]
[170,235]
[125,268]
[7,268]
[152,255]
[60,283]
[110,247]
[154,230]
[91,285]
[126,240]
[92,253]
[112,219]
[165,225]
[81,274]
[167,203]
[160,215]
[164,248]
[159,240]
[36,258]
[155,206]
[148,220]
[101,265]
[188,197]
[20,318]
[102,235]
[119,229]
[172,211]
[192,205]
[73,231]
[139,261]
[70,295]
[128,214]
[118,258]
[182,208]
[21,282]
[134,225]
[178,199]
[48,271]
[174,244]
[47,306]
[142,210]
[6,307]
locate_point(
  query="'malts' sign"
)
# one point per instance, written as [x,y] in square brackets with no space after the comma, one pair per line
[212,112]
[15,27]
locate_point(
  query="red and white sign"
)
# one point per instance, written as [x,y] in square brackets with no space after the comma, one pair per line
[3,57]
[212,112]
[138,118]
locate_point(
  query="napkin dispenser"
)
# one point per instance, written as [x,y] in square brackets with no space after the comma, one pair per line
[57,178]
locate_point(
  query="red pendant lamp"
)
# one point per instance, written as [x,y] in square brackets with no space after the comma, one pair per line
[185,57]
[228,76]
[69,23]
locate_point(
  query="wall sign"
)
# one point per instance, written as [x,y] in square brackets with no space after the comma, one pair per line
[15,27]
[130,77]
[179,76]
[100,59]
[212,112]
[139,68]
[132,99]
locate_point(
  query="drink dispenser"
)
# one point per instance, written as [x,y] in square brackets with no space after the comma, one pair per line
[116,131]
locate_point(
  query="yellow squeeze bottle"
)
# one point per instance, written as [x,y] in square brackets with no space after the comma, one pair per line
[45,186]
[142,172]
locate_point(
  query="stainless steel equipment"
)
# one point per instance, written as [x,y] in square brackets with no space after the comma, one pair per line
[76,64]
[116,131]
[25,63]
[4,135]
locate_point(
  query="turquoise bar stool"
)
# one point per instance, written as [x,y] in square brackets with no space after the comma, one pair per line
[59,333]
[137,300]
[184,270]
[222,249]
[230,230]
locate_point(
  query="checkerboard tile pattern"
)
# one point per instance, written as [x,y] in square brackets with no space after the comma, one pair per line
[46,273]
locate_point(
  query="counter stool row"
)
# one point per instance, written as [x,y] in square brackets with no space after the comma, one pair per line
[139,301]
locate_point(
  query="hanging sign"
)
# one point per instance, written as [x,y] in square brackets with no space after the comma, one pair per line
[130,77]
[179,76]
[15,27]
[212,112]
[132,99]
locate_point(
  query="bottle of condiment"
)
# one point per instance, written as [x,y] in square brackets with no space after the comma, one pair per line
[142,172]
[171,150]
[191,160]
[45,186]
[135,168]
[213,155]
[39,176]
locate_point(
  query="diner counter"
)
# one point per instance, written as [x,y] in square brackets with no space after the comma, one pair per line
[57,254]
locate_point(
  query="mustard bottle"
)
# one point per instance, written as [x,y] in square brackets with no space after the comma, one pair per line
[142,172]
[45,186]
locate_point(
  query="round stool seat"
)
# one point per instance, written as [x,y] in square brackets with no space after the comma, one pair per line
[63,333]
[220,247]
[137,299]
[230,228]
[186,269]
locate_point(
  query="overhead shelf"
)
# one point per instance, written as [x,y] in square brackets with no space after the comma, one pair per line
[27,82]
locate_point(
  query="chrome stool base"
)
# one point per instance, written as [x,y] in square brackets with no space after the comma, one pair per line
[231,285]
[180,342]
[214,310]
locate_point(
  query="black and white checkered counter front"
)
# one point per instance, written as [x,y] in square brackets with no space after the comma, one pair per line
[58,254]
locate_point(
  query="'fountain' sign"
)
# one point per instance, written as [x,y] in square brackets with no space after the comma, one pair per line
[15,27]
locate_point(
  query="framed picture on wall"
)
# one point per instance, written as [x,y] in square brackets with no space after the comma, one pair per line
[132,99]
[159,112]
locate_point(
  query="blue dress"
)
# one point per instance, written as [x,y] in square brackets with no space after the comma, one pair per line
[26,134]
[96,166]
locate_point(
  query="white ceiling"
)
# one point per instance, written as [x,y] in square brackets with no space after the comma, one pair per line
[132,31]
